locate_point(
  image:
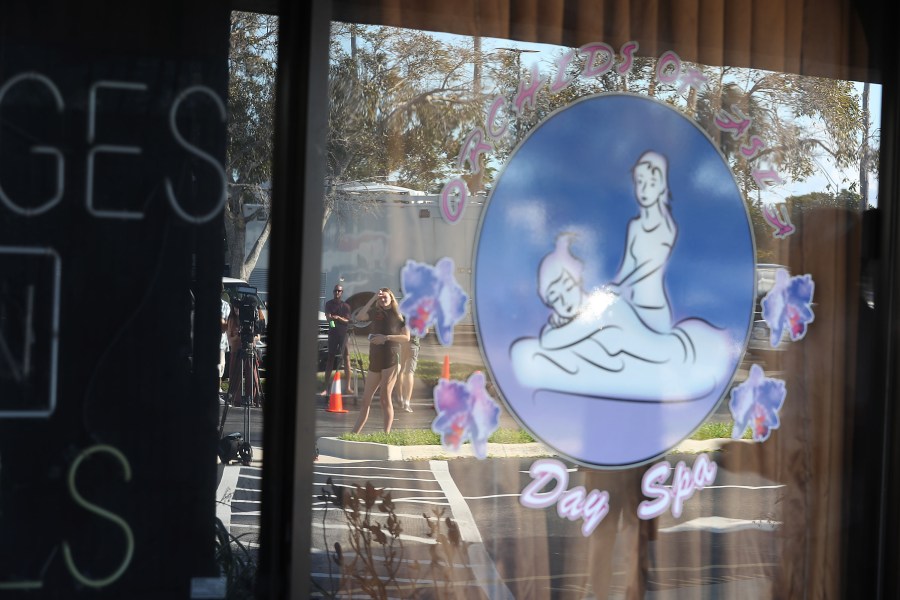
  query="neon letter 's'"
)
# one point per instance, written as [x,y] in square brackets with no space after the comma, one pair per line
[204,156]
[101,512]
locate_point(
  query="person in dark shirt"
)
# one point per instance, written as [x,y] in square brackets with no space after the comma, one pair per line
[388,332]
[338,314]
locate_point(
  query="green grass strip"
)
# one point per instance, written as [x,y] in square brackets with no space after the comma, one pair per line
[426,437]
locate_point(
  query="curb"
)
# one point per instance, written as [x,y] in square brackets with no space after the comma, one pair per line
[349,450]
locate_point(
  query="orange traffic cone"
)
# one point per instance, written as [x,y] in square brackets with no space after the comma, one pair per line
[335,402]
[445,371]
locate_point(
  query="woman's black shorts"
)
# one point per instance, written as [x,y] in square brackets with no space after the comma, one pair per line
[383,357]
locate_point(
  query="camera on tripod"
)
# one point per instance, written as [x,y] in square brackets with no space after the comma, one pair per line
[248,316]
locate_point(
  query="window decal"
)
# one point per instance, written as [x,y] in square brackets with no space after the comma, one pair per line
[787,308]
[465,412]
[779,220]
[755,404]
[626,305]
[685,481]
[572,504]
[431,296]
[620,341]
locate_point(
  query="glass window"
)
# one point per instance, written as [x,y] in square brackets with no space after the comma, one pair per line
[595,319]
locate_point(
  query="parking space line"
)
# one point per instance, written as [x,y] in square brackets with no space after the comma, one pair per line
[483,567]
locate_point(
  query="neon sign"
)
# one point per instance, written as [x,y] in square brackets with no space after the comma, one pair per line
[98,149]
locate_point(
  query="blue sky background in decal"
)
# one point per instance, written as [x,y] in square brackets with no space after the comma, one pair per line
[639,346]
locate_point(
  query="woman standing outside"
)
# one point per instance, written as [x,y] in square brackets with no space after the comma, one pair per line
[388,332]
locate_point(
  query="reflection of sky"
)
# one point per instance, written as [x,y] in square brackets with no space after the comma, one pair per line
[574,174]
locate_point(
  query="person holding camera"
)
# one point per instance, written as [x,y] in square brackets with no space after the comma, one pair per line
[243,334]
[388,332]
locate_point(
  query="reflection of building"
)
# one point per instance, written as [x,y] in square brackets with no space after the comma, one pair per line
[366,249]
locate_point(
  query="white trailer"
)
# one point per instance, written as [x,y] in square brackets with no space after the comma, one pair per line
[367,249]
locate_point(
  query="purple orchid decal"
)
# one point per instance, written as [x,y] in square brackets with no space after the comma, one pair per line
[431,296]
[465,411]
[788,304]
[755,404]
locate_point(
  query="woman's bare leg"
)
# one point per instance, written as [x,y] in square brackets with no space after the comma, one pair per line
[372,382]
[389,376]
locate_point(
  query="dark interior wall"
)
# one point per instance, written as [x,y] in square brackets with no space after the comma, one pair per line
[112,136]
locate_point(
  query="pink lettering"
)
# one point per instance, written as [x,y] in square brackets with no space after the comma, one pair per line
[563,79]
[472,148]
[527,92]
[682,488]
[572,504]
[668,68]
[627,50]
[543,472]
[591,52]
[692,78]
[752,149]
[727,123]
[782,226]
[596,507]
[685,482]
[495,133]
[766,178]
[451,207]
[652,487]
[704,471]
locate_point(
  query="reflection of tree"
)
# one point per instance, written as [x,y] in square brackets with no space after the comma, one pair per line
[796,205]
[807,124]
[401,102]
[251,106]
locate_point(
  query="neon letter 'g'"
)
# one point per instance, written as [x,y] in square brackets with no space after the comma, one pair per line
[38,149]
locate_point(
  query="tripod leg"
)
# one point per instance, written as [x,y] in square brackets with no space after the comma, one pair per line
[246,450]
[222,421]
[248,379]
